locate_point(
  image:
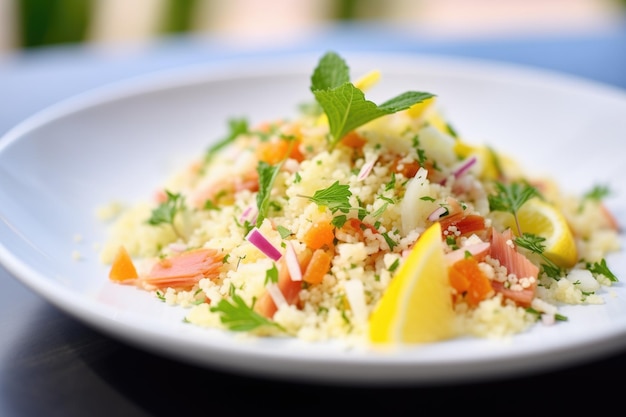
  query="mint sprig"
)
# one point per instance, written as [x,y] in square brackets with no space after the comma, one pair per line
[344,104]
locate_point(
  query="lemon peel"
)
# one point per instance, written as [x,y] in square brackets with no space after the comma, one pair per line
[417,305]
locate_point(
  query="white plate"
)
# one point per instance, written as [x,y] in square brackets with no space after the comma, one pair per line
[122,141]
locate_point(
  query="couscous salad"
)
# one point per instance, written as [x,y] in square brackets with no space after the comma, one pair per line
[369,223]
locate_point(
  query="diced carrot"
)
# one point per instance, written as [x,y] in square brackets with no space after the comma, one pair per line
[122,268]
[275,151]
[317,267]
[184,270]
[409,169]
[353,140]
[466,278]
[458,279]
[321,234]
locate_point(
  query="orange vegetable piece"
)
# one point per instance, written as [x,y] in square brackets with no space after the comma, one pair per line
[184,270]
[353,140]
[466,278]
[275,151]
[122,268]
[318,267]
[321,234]
[265,305]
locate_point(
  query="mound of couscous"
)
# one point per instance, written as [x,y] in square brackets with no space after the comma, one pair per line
[296,228]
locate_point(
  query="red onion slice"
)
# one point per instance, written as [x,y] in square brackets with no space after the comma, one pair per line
[257,239]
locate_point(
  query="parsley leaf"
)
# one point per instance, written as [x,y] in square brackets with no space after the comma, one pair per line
[271,275]
[344,104]
[510,198]
[535,244]
[166,212]
[597,193]
[238,316]
[336,197]
[602,269]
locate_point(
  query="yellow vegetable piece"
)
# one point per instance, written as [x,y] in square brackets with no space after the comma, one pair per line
[435,119]
[417,306]
[368,80]
[541,218]
[487,160]
[419,109]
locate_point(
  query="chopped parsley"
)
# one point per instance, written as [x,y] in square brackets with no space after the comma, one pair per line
[601,268]
[166,212]
[236,127]
[510,198]
[335,197]
[238,316]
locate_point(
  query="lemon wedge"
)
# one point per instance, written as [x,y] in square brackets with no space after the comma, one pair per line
[543,219]
[417,306]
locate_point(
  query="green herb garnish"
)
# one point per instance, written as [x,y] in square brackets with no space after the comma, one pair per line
[602,268]
[271,275]
[344,104]
[336,197]
[597,193]
[510,198]
[166,212]
[236,127]
[267,176]
[238,316]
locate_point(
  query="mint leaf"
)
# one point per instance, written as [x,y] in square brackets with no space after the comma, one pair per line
[344,104]
[331,71]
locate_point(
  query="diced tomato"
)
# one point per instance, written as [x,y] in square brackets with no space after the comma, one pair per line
[290,289]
